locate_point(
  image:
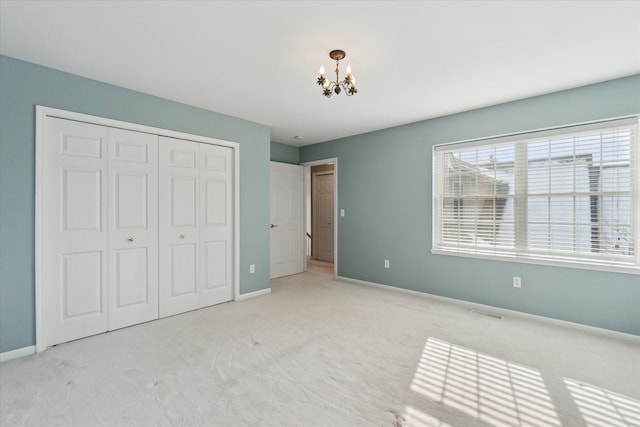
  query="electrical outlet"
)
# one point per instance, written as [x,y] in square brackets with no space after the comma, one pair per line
[387,264]
[517,283]
[252,268]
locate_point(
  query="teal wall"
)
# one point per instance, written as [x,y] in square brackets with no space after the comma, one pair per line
[285,153]
[385,188]
[22,86]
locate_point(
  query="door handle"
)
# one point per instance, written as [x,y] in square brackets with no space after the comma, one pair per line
[130,239]
[181,236]
[273,225]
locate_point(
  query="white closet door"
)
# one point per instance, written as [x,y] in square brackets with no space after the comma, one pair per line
[179,235]
[133,227]
[216,257]
[74,248]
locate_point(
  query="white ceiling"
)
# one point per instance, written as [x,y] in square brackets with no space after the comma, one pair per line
[258,60]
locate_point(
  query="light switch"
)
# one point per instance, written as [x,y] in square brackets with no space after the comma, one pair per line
[341,212]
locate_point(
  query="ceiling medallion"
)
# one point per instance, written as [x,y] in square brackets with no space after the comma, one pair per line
[348,84]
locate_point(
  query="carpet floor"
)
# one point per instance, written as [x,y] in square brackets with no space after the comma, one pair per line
[321,352]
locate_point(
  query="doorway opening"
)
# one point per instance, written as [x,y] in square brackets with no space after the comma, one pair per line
[320,202]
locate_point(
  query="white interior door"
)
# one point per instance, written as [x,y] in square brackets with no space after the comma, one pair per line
[133,227]
[179,249]
[74,248]
[323,216]
[287,231]
[216,224]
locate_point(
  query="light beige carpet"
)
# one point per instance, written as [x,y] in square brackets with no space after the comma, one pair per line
[318,352]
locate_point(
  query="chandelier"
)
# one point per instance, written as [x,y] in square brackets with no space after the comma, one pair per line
[348,84]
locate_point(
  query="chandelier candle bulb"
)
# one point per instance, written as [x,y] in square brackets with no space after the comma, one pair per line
[322,70]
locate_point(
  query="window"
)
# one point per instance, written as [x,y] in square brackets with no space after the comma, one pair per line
[567,196]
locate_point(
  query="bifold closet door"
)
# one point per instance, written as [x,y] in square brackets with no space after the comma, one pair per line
[133,227]
[100,248]
[74,230]
[216,224]
[179,216]
[196,225]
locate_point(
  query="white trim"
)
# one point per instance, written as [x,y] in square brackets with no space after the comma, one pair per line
[253,294]
[236,222]
[314,194]
[501,311]
[306,191]
[39,244]
[336,221]
[42,113]
[539,261]
[516,135]
[20,352]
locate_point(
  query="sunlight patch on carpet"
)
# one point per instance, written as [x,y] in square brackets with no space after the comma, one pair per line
[415,417]
[489,389]
[603,408]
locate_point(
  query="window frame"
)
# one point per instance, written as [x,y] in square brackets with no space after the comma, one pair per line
[599,262]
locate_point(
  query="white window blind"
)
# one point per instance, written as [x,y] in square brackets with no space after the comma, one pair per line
[567,196]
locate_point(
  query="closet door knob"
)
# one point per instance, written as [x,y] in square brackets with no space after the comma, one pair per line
[181,236]
[130,239]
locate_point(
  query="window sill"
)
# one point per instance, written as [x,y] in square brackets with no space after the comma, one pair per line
[612,268]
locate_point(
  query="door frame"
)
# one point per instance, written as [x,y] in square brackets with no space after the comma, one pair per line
[307,194]
[314,222]
[42,112]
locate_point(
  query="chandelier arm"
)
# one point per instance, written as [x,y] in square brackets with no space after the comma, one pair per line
[349,90]
[328,90]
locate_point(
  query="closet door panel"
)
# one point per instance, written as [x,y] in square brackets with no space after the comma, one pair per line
[179,216]
[133,227]
[81,284]
[215,263]
[131,276]
[183,266]
[75,241]
[183,202]
[216,189]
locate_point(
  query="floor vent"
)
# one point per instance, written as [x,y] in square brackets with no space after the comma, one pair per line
[484,313]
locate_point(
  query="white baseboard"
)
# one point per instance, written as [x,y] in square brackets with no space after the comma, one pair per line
[253,294]
[501,311]
[27,351]
[20,352]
